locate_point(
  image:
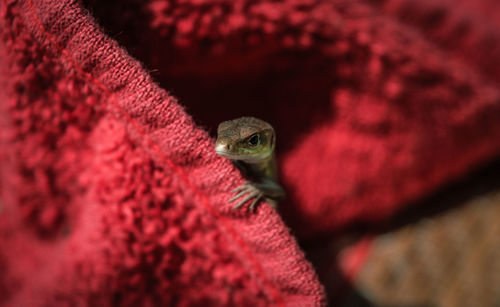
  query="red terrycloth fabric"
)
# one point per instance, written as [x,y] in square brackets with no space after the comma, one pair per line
[111,192]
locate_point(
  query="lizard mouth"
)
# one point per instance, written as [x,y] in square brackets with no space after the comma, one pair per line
[229,155]
[226,154]
[225,151]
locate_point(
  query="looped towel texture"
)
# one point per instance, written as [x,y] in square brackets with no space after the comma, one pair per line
[111,192]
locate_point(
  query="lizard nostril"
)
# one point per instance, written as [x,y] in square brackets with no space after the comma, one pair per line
[228,147]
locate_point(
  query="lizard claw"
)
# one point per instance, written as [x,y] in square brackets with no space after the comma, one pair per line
[242,187]
[250,191]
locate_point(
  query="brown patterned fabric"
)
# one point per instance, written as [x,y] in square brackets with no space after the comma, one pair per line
[449,260]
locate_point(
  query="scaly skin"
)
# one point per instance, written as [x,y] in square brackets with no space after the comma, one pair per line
[249,143]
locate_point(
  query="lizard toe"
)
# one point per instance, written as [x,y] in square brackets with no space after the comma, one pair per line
[255,201]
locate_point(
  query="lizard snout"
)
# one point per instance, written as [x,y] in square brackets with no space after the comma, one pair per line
[222,147]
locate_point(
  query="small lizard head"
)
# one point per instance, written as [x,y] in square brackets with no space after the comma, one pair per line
[247,139]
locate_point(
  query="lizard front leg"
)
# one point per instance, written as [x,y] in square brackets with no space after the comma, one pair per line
[256,191]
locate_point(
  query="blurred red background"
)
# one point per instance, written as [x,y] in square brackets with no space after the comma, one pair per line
[387,117]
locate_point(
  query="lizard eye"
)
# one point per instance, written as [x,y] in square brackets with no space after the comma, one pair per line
[254,140]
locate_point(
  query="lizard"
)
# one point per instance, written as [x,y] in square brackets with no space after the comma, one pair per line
[249,143]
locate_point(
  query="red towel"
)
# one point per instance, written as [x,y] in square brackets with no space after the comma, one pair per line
[111,192]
